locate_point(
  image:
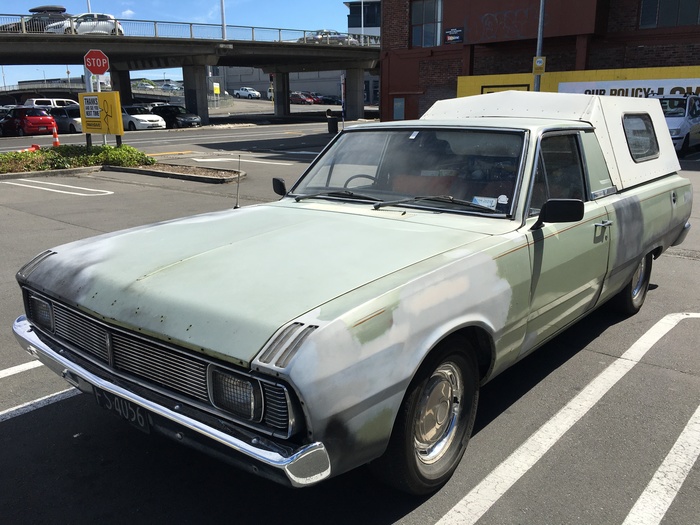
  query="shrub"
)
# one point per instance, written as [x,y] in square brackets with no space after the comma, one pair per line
[72,156]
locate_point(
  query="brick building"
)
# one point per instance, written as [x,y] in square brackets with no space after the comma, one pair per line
[429,45]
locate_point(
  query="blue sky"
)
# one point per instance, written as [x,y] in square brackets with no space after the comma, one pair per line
[287,14]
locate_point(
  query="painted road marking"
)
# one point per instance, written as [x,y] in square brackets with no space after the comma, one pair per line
[482,497]
[19,369]
[664,486]
[37,403]
[235,159]
[36,185]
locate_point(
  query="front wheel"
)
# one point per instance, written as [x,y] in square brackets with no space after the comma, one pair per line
[631,298]
[434,423]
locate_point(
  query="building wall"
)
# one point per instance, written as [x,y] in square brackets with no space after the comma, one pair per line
[500,37]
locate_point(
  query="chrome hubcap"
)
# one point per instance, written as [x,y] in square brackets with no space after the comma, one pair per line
[638,278]
[437,413]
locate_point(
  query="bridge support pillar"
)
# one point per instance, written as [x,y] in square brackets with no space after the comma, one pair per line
[121,81]
[280,85]
[354,94]
[195,82]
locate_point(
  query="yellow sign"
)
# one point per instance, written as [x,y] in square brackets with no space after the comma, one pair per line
[217,89]
[538,64]
[101,113]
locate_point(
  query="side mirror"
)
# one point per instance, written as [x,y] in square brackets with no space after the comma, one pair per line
[559,210]
[279,187]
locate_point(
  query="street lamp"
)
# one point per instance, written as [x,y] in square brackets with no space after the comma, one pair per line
[44,72]
[223,21]
[88,5]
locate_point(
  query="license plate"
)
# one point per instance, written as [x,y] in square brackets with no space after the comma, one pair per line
[131,412]
[42,128]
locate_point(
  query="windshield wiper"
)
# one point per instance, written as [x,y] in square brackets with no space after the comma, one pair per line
[337,193]
[438,198]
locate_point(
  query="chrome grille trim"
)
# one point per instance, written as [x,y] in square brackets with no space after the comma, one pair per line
[164,367]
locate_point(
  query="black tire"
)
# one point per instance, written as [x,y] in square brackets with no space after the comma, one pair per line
[237,95]
[132,126]
[20,132]
[631,298]
[250,96]
[71,129]
[425,450]
[685,147]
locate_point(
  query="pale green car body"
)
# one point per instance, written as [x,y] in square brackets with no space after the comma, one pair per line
[342,301]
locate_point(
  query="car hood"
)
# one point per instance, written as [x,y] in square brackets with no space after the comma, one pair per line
[223,283]
[675,122]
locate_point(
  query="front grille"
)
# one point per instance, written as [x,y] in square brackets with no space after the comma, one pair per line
[163,366]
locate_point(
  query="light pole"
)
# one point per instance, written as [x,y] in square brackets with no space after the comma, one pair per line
[88,6]
[223,20]
[44,72]
[3,77]
[540,33]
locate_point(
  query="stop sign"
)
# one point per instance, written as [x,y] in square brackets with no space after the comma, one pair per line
[96,62]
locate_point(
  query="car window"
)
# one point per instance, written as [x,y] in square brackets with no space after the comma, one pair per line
[37,112]
[73,112]
[640,135]
[480,167]
[559,171]
[58,112]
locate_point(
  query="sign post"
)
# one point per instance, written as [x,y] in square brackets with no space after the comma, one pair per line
[97,63]
[100,112]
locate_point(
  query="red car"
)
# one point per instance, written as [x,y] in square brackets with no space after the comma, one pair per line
[297,98]
[27,120]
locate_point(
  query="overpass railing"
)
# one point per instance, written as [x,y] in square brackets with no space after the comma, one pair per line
[156,29]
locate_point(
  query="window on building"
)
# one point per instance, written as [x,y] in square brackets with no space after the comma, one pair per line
[373,15]
[426,23]
[669,13]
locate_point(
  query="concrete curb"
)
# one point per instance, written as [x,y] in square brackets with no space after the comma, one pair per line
[50,173]
[174,175]
[140,171]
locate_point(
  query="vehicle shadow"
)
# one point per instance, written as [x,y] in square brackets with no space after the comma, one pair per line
[73,459]
[503,391]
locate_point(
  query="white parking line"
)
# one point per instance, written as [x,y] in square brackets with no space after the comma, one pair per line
[664,486]
[36,184]
[37,403]
[19,368]
[482,497]
[235,159]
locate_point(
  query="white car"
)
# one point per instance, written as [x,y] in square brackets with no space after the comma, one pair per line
[138,117]
[682,114]
[87,23]
[246,92]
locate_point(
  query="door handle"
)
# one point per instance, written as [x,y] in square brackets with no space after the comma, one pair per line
[604,224]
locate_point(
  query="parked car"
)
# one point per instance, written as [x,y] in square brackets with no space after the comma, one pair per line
[41,17]
[328,36]
[67,119]
[177,116]
[138,117]
[682,114]
[332,100]
[246,92]
[297,98]
[87,23]
[315,99]
[50,102]
[27,120]
[143,85]
[354,320]
[171,87]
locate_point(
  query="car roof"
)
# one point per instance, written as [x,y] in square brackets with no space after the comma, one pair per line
[48,9]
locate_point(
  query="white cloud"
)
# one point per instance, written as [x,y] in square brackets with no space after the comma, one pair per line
[128,13]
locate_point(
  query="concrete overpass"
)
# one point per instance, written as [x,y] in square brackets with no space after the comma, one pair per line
[131,53]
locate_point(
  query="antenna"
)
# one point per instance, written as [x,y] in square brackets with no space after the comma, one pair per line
[238,183]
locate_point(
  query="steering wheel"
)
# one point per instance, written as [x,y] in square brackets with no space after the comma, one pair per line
[359,176]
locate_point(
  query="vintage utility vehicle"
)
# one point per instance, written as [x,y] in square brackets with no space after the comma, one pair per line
[354,320]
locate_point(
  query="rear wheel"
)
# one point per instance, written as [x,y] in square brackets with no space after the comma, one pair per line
[631,298]
[435,421]
[20,131]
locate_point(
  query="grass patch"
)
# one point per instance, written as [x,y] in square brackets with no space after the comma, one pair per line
[72,156]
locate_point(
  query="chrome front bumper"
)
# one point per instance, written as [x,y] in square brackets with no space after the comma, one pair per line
[305,466]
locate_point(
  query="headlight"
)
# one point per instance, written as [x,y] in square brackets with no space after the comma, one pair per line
[675,132]
[240,395]
[40,313]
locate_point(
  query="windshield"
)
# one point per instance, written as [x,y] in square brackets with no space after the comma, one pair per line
[673,107]
[396,166]
[136,110]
